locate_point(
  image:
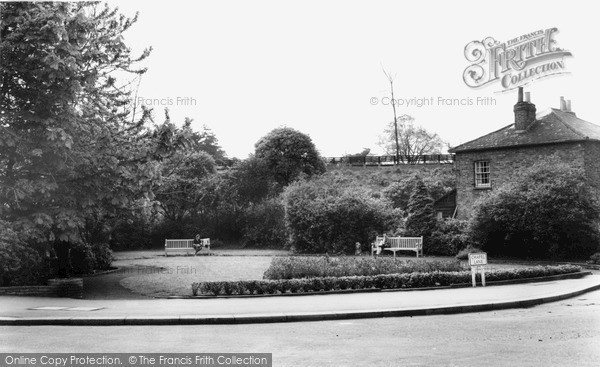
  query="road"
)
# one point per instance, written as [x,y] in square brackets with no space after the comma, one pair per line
[565,333]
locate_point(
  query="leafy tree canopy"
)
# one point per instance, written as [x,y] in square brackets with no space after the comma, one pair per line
[70,148]
[413,140]
[180,192]
[206,141]
[287,153]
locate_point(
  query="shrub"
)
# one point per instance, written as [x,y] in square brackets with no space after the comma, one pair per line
[20,264]
[133,231]
[381,281]
[265,225]
[464,253]
[82,258]
[438,181]
[318,267]
[449,237]
[398,193]
[326,216]
[595,258]
[547,213]
[103,256]
[195,288]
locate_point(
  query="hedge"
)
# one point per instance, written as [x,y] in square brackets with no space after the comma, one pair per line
[293,267]
[383,281]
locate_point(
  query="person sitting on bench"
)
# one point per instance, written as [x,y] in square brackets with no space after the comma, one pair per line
[197,244]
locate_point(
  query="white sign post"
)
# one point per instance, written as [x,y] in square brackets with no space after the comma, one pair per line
[477,261]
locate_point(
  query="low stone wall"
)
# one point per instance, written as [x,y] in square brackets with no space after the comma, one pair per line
[70,287]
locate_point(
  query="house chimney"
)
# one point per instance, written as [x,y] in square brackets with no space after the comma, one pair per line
[524,111]
[568,105]
[563,103]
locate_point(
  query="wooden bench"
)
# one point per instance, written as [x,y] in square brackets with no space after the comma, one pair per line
[186,245]
[395,244]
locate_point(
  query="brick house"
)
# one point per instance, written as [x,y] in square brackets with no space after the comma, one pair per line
[494,159]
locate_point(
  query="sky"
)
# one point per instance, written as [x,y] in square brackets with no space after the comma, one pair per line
[243,68]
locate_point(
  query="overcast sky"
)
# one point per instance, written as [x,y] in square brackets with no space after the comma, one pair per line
[247,67]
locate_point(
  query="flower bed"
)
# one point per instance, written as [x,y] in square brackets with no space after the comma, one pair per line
[319,267]
[381,281]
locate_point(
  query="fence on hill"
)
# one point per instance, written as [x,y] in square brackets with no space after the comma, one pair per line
[390,160]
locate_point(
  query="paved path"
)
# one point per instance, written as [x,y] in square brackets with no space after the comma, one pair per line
[108,286]
[62,311]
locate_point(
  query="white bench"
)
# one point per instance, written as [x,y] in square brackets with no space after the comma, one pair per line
[395,244]
[186,245]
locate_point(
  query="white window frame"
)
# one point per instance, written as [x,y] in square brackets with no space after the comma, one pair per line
[483,178]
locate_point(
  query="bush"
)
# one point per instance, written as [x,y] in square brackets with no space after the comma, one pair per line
[449,237]
[103,256]
[82,258]
[318,267]
[595,258]
[464,253]
[547,213]
[326,216]
[398,193]
[438,181]
[20,264]
[382,281]
[265,225]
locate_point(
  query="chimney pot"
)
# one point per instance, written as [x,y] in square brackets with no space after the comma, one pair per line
[568,105]
[563,103]
[520,94]
[527,97]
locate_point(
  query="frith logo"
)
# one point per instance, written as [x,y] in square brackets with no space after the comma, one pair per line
[516,62]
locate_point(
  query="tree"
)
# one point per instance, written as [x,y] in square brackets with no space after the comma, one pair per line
[287,153]
[395,122]
[180,192]
[421,219]
[365,152]
[206,141]
[413,140]
[252,181]
[71,157]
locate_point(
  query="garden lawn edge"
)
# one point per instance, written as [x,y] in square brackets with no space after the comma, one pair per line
[576,275]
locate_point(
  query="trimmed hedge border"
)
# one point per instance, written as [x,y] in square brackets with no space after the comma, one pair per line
[347,266]
[63,287]
[383,281]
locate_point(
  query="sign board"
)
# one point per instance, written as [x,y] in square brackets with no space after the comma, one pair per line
[478,259]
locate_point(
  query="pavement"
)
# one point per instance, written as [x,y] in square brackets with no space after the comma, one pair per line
[64,311]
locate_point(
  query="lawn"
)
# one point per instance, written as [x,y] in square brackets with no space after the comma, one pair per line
[151,273]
